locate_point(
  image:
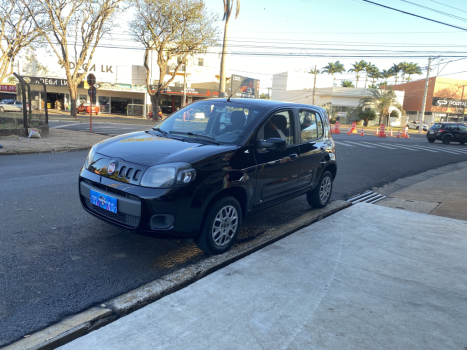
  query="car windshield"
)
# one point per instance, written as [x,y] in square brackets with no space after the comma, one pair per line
[436,126]
[219,122]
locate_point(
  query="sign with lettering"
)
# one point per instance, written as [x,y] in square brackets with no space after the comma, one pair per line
[178,90]
[48,81]
[7,88]
[244,87]
[449,102]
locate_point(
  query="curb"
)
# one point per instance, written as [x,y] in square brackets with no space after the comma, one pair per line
[60,150]
[96,317]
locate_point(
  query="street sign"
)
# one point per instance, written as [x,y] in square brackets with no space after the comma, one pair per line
[92,91]
[342,114]
[91,79]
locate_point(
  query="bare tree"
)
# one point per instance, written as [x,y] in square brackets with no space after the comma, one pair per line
[173,29]
[17,31]
[76,26]
[228,6]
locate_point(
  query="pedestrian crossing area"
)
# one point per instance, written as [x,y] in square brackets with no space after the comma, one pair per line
[432,148]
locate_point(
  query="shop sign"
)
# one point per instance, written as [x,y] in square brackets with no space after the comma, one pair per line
[449,102]
[178,90]
[48,81]
[342,114]
[7,88]
[119,87]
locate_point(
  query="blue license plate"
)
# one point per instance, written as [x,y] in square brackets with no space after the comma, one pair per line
[103,201]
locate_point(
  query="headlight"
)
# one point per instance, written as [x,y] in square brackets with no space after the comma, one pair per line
[168,175]
[90,156]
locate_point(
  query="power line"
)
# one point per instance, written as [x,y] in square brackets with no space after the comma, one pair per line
[437,11]
[412,14]
[455,8]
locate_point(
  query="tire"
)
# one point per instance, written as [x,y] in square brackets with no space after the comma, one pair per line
[218,234]
[319,197]
[431,140]
[2,109]
[447,140]
[417,128]
[462,142]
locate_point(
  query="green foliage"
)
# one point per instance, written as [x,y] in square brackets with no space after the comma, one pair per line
[12,79]
[264,96]
[333,67]
[333,120]
[347,83]
[395,114]
[380,100]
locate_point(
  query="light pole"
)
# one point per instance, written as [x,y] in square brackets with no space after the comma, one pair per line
[420,127]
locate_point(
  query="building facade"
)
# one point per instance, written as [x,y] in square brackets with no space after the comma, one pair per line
[337,100]
[446,99]
[121,88]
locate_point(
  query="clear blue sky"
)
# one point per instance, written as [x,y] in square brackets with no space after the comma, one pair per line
[339,28]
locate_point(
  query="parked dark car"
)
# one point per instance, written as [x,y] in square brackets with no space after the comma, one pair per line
[192,179]
[447,133]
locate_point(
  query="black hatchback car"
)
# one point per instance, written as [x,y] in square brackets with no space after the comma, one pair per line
[195,178]
[447,133]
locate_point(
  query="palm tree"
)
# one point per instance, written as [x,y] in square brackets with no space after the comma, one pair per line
[374,74]
[228,6]
[347,83]
[396,69]
[386,74]
[413,68]
[333,67]
[357,68]
[381,100]
[404,67]
[368,69]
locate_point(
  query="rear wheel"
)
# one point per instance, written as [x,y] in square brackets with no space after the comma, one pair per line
[462,142]
[431,140]
[447,140]
[221,226]
[319,197]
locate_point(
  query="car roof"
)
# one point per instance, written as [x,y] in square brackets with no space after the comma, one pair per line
[266,103]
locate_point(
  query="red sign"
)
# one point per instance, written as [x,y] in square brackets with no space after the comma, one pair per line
[8,88]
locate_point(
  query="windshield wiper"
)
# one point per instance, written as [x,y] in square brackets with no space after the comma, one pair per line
[161,131]
[195,136]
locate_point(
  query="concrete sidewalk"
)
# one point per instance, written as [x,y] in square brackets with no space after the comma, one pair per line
[368,277]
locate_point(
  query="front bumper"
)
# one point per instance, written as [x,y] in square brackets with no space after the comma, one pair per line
[136,206]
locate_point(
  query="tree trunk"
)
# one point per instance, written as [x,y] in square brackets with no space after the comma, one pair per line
[224,54]
[73,97]
[380,118]
[356,84]
[366,80]
[155,98]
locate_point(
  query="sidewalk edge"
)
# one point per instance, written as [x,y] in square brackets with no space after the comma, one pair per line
[96,317]
[59,150]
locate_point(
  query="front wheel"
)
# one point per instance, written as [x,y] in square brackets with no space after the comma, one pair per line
[447,140]
[462,142]
[221,226]
[319,197]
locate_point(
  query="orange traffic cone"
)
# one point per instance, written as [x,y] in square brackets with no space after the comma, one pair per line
[362,134]
[406,134]
[398,134]
[332,129]
[349,131]
[390,134]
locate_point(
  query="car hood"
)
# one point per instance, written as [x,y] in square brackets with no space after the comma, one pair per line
[149,149]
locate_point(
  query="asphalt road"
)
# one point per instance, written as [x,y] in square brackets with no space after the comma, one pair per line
[56,260]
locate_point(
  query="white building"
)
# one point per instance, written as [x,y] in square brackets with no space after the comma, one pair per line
[298,88]
[121,81]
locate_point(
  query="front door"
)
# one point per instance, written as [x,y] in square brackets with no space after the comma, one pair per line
[277,171]
[463,131]
[312,145]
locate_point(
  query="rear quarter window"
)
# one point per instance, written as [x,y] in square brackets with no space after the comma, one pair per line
[436,126]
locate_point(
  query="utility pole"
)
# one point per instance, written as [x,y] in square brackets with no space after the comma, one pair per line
[184,88]
[314,86]
[269,94]
[420,127]
[463,103]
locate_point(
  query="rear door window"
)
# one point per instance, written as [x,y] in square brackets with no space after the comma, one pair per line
[451,127]
[462,128]
[311,126]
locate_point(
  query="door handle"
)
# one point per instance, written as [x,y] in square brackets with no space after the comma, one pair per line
[293,156]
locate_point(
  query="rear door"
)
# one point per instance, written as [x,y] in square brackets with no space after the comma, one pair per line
[312,145]
[277,172]
[454,130]
[463,132]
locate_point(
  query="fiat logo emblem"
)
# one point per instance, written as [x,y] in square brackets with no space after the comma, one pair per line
[111,168]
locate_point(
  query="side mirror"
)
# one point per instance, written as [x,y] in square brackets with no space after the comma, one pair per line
[273,144]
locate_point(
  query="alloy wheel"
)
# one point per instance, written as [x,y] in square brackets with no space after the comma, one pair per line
[325,189]
[224,226]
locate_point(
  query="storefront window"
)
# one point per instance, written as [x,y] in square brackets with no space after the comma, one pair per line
[104,104]
[82,99]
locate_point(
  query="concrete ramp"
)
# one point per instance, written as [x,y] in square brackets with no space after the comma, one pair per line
[368,277]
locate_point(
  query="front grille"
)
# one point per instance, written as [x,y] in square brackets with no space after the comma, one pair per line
[129,220]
